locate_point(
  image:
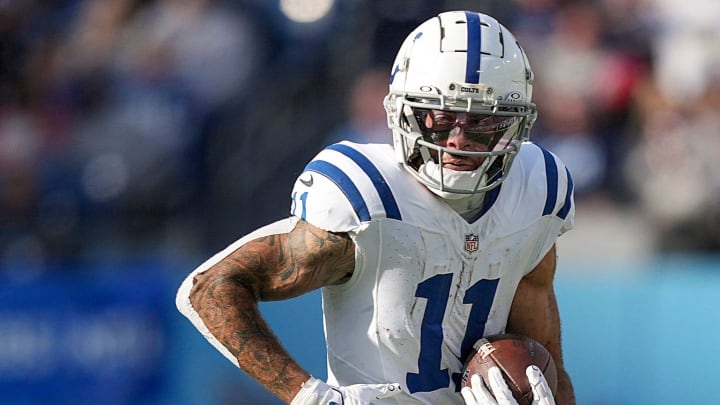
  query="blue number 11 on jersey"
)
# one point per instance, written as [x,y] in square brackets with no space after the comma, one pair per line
[436,290]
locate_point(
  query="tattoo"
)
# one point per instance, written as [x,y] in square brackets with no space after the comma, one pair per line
[268,268]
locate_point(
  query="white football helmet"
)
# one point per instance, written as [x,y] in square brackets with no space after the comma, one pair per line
[460,64]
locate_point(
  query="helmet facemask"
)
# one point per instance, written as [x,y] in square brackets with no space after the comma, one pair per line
[427,127]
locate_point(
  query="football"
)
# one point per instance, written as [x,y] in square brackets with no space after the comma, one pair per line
[512,354]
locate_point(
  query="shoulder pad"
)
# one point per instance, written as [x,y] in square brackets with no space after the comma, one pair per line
[540,185]
[342,188]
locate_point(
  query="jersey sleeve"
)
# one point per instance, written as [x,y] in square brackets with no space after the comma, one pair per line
[319,201]
[546,197]
[559,200]
[342,189]
[539,186]
[559,203]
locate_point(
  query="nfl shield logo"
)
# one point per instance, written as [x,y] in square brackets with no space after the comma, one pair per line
[471,243]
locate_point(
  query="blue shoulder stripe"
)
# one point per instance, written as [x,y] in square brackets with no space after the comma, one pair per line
[568,197]
[392,210]
[337,176]
[472,65]
[551,174]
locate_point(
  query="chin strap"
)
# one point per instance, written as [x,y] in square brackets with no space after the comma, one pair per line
[429,173]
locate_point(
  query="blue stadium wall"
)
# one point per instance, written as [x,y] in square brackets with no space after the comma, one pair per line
[634,333]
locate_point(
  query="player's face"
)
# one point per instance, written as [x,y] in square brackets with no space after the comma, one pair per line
[467,132]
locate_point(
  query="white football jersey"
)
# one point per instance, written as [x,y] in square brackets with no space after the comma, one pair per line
[427,284]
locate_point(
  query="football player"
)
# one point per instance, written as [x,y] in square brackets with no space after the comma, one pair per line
[420,248]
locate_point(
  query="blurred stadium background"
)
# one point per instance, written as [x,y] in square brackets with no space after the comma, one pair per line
[137,137]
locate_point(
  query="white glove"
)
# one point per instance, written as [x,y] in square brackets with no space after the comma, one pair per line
[479,395]
[316,392]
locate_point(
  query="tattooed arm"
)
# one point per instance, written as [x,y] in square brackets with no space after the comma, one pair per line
[271,267]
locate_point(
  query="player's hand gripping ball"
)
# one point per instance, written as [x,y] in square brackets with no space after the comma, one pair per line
[512,354]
